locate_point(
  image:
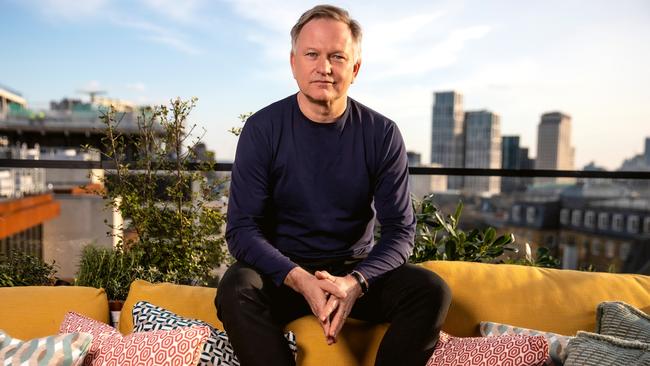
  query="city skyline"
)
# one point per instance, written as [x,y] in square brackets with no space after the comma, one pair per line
[233,55]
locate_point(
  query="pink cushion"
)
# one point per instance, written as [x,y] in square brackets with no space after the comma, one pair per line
[507,350]
[181,346]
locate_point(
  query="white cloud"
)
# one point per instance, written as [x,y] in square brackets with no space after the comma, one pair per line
[106,11]
[155,33]
[409,55]
[185,11]
[275,16]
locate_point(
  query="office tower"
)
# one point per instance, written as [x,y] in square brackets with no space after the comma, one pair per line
[554,150]
[414,158]
[447,134]
[482,150]
[647,151]
[513,156]
[510,154]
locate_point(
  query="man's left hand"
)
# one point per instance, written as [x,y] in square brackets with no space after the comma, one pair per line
[339,307]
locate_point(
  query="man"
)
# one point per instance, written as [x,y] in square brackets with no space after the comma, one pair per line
[308,171]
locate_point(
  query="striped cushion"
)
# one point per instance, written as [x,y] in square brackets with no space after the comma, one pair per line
[58,350]
[590,349]
[618,319]
[217,350]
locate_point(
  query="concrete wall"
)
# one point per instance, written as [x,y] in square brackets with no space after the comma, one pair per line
[81,223]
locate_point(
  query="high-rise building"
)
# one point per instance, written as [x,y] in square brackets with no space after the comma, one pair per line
[647,151]
[513,156]
[554,150]
[482,150]
[414,158]
[447,145]
[510,154]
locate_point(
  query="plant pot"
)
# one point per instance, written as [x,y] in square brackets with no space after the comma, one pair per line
[115,308]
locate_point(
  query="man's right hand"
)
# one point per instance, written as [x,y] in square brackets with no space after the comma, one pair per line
[316,292]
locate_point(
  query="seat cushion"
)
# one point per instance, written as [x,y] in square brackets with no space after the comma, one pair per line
[193,302]
[37,311]
[550,300]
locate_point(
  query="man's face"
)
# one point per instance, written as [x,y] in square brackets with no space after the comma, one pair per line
[323,62]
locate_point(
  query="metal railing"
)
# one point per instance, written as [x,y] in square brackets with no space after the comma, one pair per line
[225,167]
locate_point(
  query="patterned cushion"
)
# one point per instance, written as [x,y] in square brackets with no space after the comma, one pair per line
[618,319]
[601,350]
[177,347]
[556,342]
[57,350]
[510,350]
[217,349]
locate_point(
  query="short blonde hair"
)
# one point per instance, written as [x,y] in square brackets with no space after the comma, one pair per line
[329,12]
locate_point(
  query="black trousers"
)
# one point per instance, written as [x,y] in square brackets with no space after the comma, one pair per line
[254,312]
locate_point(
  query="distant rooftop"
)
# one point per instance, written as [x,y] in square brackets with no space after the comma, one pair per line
[12,91]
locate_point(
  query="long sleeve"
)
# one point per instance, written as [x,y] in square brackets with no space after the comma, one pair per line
[249,197]
[393,206]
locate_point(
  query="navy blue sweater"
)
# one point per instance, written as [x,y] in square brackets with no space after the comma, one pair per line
[303,190]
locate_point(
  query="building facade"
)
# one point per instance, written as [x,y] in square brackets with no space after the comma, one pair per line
[554,149]
[447,142]
[482,130]
[590,230]
[513,156]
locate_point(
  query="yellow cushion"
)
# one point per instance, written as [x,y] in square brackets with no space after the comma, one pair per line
[187,301]
[37,311]
[559,301]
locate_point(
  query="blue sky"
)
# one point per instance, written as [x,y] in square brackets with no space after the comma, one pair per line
[517,58]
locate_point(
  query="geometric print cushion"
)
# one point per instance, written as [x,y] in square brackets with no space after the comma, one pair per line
[217,349]
[59,350]
[177,347]
[557,343]
[618,319]
[601,350]
[505,350]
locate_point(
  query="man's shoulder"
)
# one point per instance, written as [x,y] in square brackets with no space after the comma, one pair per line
[369,116]
[272,112]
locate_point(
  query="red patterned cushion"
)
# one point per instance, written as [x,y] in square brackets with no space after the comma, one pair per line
[181,346]
[507,350]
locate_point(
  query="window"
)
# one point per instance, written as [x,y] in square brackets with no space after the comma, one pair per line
[610,249]
[530,215]
[564,216]
[646,225]
[624,250]
[603,221]
[595,248]
[576,217]
[617,222]
[516,213]
[590,219]
[633,224]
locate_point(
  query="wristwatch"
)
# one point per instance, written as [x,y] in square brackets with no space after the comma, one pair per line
[362,281]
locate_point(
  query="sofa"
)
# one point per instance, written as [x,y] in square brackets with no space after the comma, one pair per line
[559,301]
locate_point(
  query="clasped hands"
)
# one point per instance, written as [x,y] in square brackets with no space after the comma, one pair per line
[331,298]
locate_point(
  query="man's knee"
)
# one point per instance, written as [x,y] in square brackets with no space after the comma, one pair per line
[238,283]
[430,286]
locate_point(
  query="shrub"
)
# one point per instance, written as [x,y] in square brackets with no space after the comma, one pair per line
[21,269]
[437,237]
[175,236]
[107,268]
